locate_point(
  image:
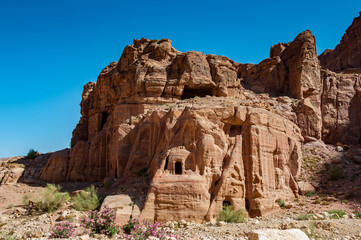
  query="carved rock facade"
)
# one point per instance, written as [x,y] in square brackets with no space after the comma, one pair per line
[190,120]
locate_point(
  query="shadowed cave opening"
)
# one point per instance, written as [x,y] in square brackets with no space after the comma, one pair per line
[247,205]
[178,168]
[235,130]
[226,204]
[195,92]
[166,163]
[105,116]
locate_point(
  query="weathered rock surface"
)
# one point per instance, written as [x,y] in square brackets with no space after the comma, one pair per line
[305,187]
[346,55]
[11,176]
[192,121]
[56,168]
[124,206]
[341,108]
[293,69]
[275,234]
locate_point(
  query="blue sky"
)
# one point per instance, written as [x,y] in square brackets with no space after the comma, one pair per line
[49,49]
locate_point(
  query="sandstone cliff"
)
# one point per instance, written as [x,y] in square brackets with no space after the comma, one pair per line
[347,54]
[204,128]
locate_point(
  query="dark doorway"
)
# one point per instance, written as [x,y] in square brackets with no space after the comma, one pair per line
[104,119]
[178,168]
[195,92]
[235,130]
[247,205]
[226,204]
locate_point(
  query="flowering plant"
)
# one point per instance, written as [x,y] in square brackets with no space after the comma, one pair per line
[357,210]
[62,230]
[143,229]
[102,222]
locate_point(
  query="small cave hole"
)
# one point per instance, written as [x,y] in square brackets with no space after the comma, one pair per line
[247,205]
[195,92]
[226,204]
[166,163]
[235,130]
[178,168]
[215,183]
[105,116]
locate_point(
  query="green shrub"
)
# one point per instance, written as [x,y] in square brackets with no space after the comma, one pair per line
[335,173]
[52,199]
[306,216]
[32,154]
[102,222]
[340,213]
[87,200]
[231,216]
[309,194]
[128,227]
[281,203]
[26,199]
[10,206]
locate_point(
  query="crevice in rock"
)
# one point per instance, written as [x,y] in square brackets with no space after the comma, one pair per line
[196,92]
[105,116]
[166,163]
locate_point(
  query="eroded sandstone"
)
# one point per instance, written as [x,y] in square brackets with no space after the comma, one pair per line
[199,126]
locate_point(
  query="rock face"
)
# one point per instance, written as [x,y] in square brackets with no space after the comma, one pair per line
[150,110]
[348,53]
[199,126]
[56,167]
[293,69]
[341,108]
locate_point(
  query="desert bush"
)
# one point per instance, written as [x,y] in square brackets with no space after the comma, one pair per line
[32,154]
[231,216]
[281,203]
[62,230]
[136,229]
[52,199]
[8,235]
[87,200]
[339,213]
[306,216]
[310,194]
[128,227]
[335,173]
[26,199]
[100,222]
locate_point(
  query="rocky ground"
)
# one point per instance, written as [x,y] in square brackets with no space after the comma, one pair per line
[334,190]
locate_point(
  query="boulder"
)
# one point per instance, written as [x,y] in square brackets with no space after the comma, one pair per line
[275,234]
[12,176]
[124,206]
[305,187]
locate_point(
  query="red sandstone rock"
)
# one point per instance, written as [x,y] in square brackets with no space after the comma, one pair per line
[293,69]
[348,53]
[56,168]
[12,176]
[150,110]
